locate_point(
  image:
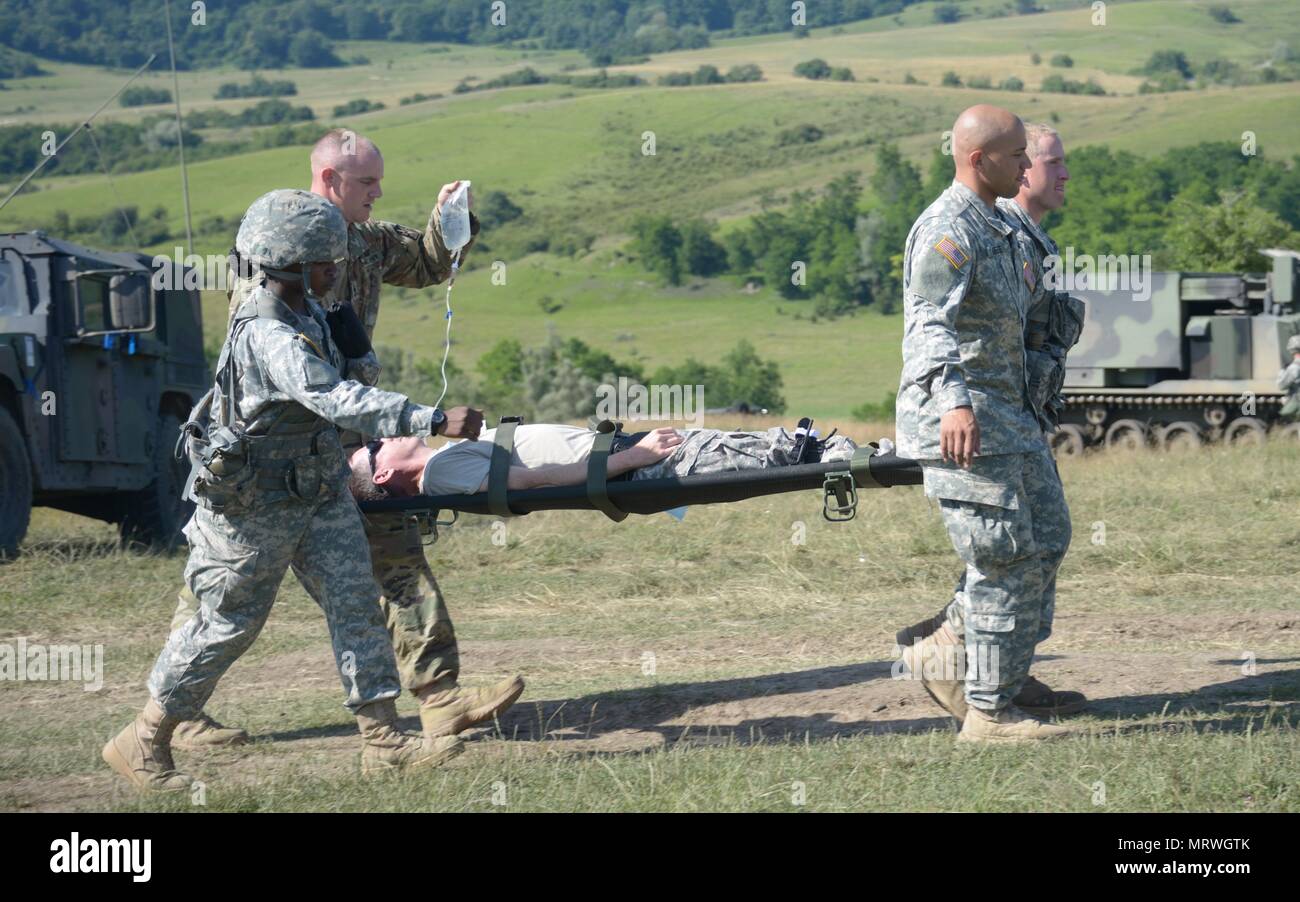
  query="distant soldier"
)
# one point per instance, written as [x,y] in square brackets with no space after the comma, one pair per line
[1289,380]
[964,413]
[347,169]
[1053,325]
[270,482]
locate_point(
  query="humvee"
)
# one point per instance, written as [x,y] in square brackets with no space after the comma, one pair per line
[99,367]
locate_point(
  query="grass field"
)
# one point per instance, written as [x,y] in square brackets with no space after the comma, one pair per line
[668,671]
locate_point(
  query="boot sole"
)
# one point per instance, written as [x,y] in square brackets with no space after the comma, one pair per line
[462,722]
[114,759]
[990,740]
[432,761]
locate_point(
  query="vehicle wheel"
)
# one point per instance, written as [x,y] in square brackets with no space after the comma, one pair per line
[156,514]
[1245,431]
[1067,441]
[1131,435]
[1181,436]
[16,478]
[1289,432]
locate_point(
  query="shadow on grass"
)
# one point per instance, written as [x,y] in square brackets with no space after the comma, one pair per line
[649,710]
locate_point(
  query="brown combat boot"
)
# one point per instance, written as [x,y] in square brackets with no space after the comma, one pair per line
[454,710]
[1008,724]
[1037,699]
[388,748]
[205,732]
[142,752]
[928,650]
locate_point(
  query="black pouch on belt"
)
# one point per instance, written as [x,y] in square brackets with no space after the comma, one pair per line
[347,331]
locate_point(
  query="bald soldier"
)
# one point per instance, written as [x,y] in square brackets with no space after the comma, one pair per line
[1053,325]
[347,169]
[964,413]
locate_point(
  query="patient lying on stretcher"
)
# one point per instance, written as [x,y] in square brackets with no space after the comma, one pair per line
[547,455]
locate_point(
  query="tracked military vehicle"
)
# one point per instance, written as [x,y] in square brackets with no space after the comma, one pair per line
[1191,358]
[98,369]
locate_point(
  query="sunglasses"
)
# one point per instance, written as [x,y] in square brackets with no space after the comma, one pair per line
[373,447]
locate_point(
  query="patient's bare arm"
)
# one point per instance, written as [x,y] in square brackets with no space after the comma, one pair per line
[656,445]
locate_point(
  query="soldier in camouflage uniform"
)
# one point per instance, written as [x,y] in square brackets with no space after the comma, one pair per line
[1289,380]
[964,413]
[1053,325]
[347,169]
[269,478]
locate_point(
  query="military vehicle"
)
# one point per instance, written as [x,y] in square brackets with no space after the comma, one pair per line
[1190,358]
[98,369]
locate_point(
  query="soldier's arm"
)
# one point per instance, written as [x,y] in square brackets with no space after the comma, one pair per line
[1288,377]
[938,277]
[411,259]
[291,366]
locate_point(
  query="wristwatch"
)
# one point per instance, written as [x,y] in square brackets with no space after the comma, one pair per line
[438,419]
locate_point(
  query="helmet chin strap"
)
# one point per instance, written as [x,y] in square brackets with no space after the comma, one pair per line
[285,275]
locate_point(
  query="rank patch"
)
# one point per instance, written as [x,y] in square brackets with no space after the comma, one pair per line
[954,254]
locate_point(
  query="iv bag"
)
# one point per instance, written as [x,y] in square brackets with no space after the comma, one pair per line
[455,219]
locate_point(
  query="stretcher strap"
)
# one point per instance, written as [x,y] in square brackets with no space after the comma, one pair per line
[597,473]
[499,467]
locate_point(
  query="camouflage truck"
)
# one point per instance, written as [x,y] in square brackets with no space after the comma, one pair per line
[1190,359]
[98,369]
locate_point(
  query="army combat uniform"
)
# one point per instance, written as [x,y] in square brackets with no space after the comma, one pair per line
[269,478]
[1288,381]
[969,282]
[412,604]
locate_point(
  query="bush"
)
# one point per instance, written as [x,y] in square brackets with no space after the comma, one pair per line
[1057,84]
[309,49]
[947,13]
[418,98]
[1165,61]
[140,95]
[257,87]
[841,73]
[1035,59]
[707,75]
[979,81]
[1061,61]
[878,412]
[1012,84]
[1223,15]
[813,68]
[495,209]
[747,72]
[800,134]
[950,80]
[356,107]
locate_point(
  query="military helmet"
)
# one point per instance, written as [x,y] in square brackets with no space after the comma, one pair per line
[1293,344]
[290,226]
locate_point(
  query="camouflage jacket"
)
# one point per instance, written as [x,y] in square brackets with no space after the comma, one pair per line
[380,252]
[968,280]
[1053,325]
[277,364]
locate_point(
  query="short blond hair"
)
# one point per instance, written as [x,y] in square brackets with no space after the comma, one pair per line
[1035,132]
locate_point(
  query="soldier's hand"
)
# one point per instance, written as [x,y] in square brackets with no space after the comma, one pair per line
[446,190]
[959,436]
[462,422]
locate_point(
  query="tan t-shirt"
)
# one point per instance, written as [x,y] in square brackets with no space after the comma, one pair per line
[460,467]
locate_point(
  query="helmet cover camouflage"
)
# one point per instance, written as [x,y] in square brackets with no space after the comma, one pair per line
[289,226]
[1293,344]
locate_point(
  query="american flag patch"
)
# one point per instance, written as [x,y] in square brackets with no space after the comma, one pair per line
[955,255]
[1028,272]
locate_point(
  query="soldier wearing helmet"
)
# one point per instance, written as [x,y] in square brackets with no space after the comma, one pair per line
[1289,380]
[270,480]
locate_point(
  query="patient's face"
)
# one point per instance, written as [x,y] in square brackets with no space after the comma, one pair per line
[392,458]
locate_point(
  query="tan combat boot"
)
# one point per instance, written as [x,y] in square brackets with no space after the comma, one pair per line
[1008,724]
[205,732]
[1037,699]
[933,641]
[389,748]
[142,752]
[454,710]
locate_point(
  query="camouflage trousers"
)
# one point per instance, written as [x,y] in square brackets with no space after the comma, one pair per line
[1009,523]
[411,603]
[236,564]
